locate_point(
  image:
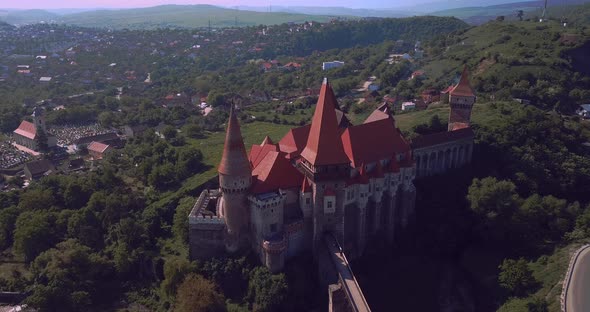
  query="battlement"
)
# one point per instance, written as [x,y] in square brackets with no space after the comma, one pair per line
[267,199]
[204,209]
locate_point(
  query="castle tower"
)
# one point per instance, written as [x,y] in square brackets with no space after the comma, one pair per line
[235,175]
[461,99]
[325,164]
[39,119]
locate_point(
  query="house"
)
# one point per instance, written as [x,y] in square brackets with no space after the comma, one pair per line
[97,150]
[292,66]
[584,110]
[430,95]
[333,64]
[110,138]
[416,74]
[133,131]
[406,106]
[373,86]
[39,168]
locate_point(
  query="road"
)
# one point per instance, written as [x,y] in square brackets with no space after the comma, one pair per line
[578,292]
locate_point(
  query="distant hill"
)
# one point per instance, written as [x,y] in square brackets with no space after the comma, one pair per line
[5,26]
[188,16]
[480,14]
[340,11]
[21,17]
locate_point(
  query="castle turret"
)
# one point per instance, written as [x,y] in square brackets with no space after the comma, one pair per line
[235,175]
[324,163]
[461,99]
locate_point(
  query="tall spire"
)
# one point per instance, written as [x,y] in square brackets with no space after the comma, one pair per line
[324,146]
[234,161]
[463,88]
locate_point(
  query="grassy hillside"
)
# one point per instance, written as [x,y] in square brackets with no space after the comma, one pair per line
[181,16]
[480,14]
[515,59]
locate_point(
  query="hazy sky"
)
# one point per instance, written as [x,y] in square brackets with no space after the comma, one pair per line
[57,4]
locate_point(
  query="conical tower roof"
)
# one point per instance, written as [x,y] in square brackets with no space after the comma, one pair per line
[463,88]
[234,161]
[324,146]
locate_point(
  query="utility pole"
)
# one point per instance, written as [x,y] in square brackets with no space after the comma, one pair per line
[544,12]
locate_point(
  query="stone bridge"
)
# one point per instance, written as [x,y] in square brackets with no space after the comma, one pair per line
[345,294]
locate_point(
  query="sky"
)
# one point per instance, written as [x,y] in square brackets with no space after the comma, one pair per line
[60,4]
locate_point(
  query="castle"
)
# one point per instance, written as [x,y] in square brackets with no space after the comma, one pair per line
[351,181]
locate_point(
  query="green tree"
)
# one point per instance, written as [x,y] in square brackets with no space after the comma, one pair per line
[180,223]
[215,99]
[71,278]
[33,233]
[196,294]
[267,291]
[492,198]
[175,271]
[516,277]
[8,218]
[169,132]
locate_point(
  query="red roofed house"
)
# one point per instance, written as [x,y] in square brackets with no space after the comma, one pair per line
[97,150]
[330,176]
[26,135]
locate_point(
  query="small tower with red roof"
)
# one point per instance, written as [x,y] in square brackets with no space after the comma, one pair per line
[235,179]
[461,99]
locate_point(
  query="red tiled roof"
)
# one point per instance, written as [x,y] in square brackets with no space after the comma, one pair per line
[26,129]
[258,152]
[234,160]
[373,141]
[376,115]
[97,147]
[294,141]
[274,172]
[441,137]
[463,88]
[323,144]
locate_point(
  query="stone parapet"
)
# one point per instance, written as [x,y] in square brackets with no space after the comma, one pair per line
[275,245]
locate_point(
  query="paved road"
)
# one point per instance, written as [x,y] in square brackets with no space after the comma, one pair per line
[578,292]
